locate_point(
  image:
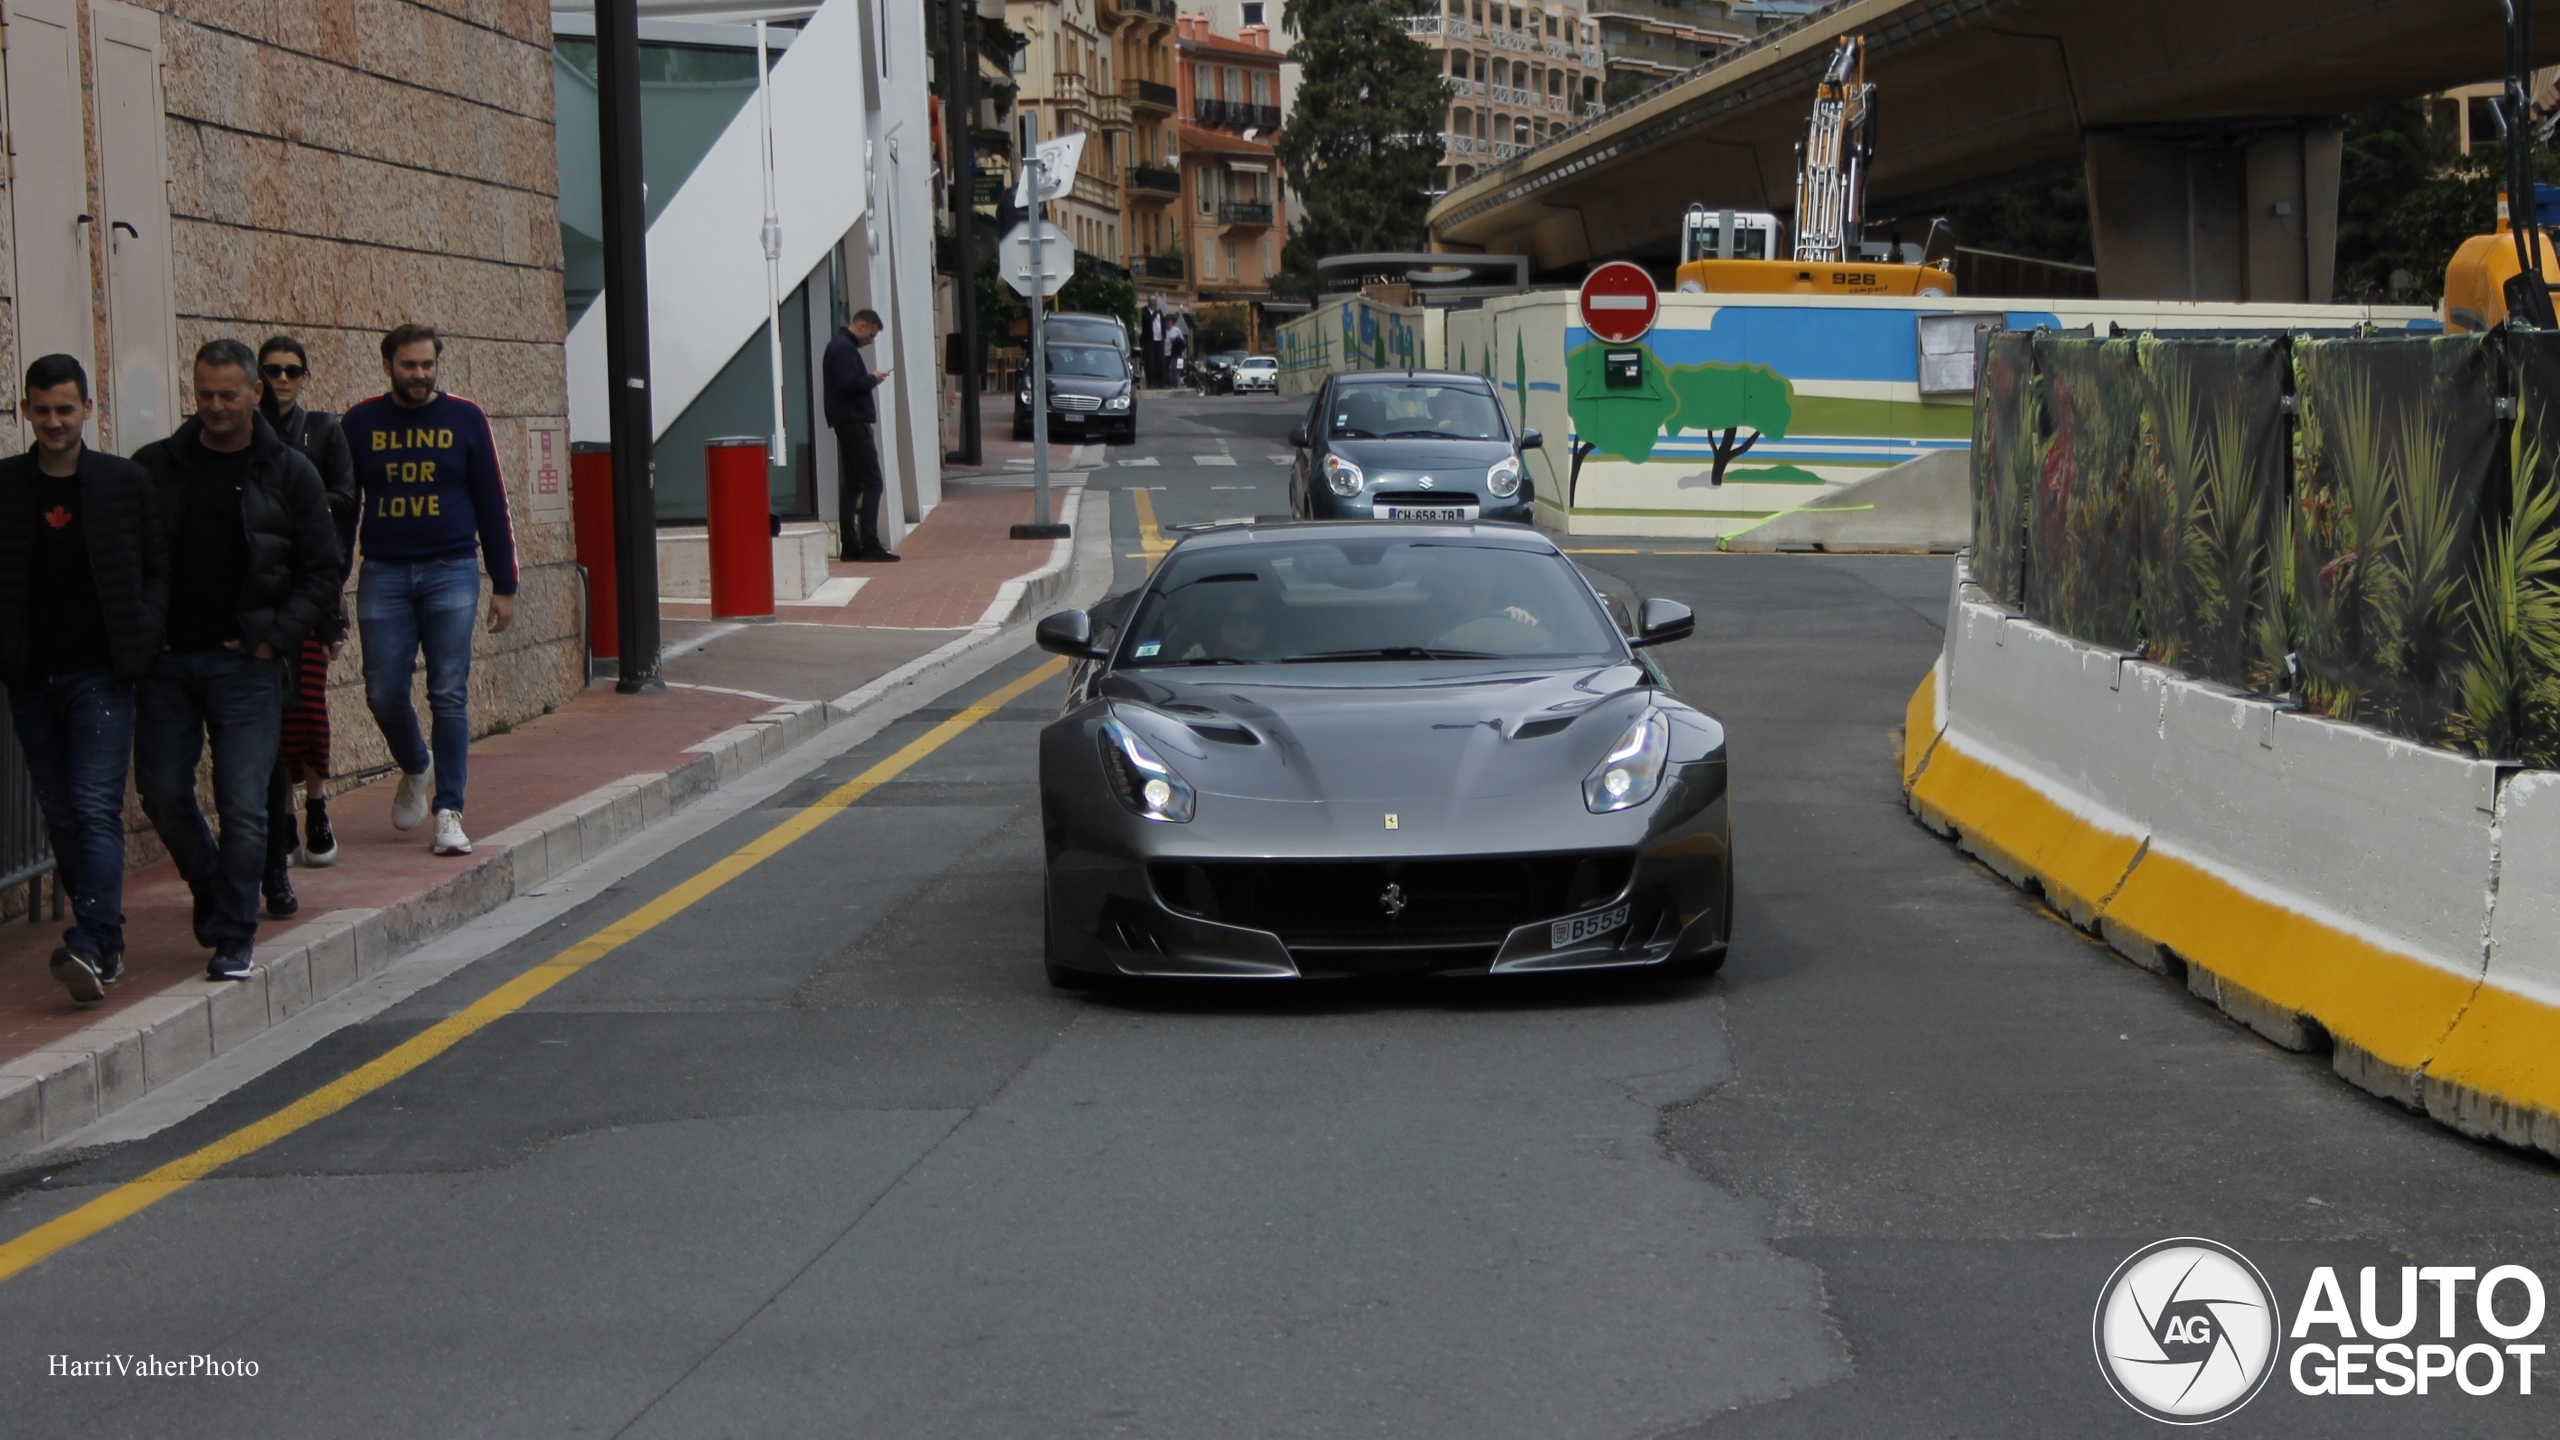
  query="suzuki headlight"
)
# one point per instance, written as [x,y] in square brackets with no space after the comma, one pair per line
[1632,770]
[1504,478]
[1343,476]
[1144,783]
[1116,402]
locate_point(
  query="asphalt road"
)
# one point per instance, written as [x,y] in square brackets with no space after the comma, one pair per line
[823,1154]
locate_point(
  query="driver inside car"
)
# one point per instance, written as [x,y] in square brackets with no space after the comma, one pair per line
[1240,635]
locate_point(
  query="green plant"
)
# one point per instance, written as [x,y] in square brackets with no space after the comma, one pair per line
[2511,683]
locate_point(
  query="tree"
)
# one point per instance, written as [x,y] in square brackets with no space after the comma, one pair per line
[2406,201]
[1363,137]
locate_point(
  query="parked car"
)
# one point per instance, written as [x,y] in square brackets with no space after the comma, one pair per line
[1092,392]
[1410,445]
[1218,371]
[1079,329]
[1256,373]
[1368,749]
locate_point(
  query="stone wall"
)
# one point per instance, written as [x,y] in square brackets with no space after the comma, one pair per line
[338,167]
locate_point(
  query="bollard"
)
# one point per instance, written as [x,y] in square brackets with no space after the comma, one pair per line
[591,508]
[738,506]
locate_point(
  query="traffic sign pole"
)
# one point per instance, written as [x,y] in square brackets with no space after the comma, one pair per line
[1039,352]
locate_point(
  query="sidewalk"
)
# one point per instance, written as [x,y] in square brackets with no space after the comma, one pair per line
[544,796]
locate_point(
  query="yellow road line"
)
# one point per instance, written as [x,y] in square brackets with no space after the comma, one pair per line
[1150,535]
[135,1196]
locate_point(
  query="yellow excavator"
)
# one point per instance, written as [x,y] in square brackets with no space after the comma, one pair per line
[2506,274]
[1735,252]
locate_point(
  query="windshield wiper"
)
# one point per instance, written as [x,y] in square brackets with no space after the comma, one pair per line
[1392,652]
[1431,435]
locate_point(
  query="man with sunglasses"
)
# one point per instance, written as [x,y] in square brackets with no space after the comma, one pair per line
[283,366]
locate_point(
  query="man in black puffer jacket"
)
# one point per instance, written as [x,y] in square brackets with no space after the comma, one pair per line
[253,568]
[84,580]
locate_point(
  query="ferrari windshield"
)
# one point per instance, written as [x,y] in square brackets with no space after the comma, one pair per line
[1416,409]
[1311,601]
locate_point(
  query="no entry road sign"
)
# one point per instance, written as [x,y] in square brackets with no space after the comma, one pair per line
[1618,302]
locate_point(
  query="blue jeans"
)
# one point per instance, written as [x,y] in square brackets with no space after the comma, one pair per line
[237,700]
[401,608]
[76,731]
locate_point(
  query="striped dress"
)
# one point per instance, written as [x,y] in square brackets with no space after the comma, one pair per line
[306,715]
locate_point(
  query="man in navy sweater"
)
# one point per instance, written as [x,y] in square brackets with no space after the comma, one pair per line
[434,507]
[851,413]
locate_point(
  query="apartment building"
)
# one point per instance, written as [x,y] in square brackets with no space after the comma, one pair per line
[1151,186]
[1645,42]
[1234,214]
[1517,74]
[1070,77]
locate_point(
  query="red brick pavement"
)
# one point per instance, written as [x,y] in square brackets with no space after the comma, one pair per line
[950,569]
[595,739]
[955,564]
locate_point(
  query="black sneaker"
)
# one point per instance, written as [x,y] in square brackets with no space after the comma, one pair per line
[319,842]
[281,901]
[78,974]
[231,962]
[111,967]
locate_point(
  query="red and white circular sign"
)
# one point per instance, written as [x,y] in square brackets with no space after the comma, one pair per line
[1618,302]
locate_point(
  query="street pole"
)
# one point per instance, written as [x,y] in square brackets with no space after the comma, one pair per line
[964,223]
[626,345]
[777,449]
[1039,298]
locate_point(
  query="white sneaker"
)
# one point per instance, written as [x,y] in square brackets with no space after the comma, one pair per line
[449,837]
[410,805]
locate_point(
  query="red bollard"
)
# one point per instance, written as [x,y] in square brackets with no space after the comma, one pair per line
[738,504]
[591,509]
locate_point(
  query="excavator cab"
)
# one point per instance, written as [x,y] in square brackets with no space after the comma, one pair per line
[2487,268]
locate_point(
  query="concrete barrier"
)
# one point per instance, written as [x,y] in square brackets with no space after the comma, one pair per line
[2327,885]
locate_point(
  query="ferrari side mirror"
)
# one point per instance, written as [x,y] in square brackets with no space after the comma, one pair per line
[1068,633]
[1658,622]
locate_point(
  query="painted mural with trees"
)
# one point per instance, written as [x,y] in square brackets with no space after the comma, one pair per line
[1735,405]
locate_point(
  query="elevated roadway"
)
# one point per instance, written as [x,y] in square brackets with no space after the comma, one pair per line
[2207,129]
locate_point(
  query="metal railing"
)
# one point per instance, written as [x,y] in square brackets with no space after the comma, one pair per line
[1244,212]
[1151,94]
[25,854]
[1235,115]
[1156,267]
[1155,180]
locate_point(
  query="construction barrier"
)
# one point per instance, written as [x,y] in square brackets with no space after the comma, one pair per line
[2330,886]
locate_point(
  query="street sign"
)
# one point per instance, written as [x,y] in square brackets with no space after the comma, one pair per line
[1054,162]
[1618,302]
[1057,258]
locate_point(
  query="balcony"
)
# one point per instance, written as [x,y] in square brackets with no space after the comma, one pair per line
[1505,95]
[1235,115]
[1669,13]
[1110,112]
[1558,104]
[1244,212]
[1160,9]
[1148,95]
[1156,267]
[1462,144]
[1067,91]
[1154,181]
[1423,24]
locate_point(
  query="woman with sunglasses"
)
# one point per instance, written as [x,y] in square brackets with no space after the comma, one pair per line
[304,754]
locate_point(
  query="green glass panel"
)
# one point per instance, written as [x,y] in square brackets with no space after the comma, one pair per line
[688,95]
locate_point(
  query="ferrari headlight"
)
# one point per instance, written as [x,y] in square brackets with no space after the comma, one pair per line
[1022,396]
[1343,476]
[1144,783]
[1504,478]
[1116,402]
[1632,770]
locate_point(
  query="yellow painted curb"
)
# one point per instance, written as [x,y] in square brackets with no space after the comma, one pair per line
[1920,727]
[2480,1059]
